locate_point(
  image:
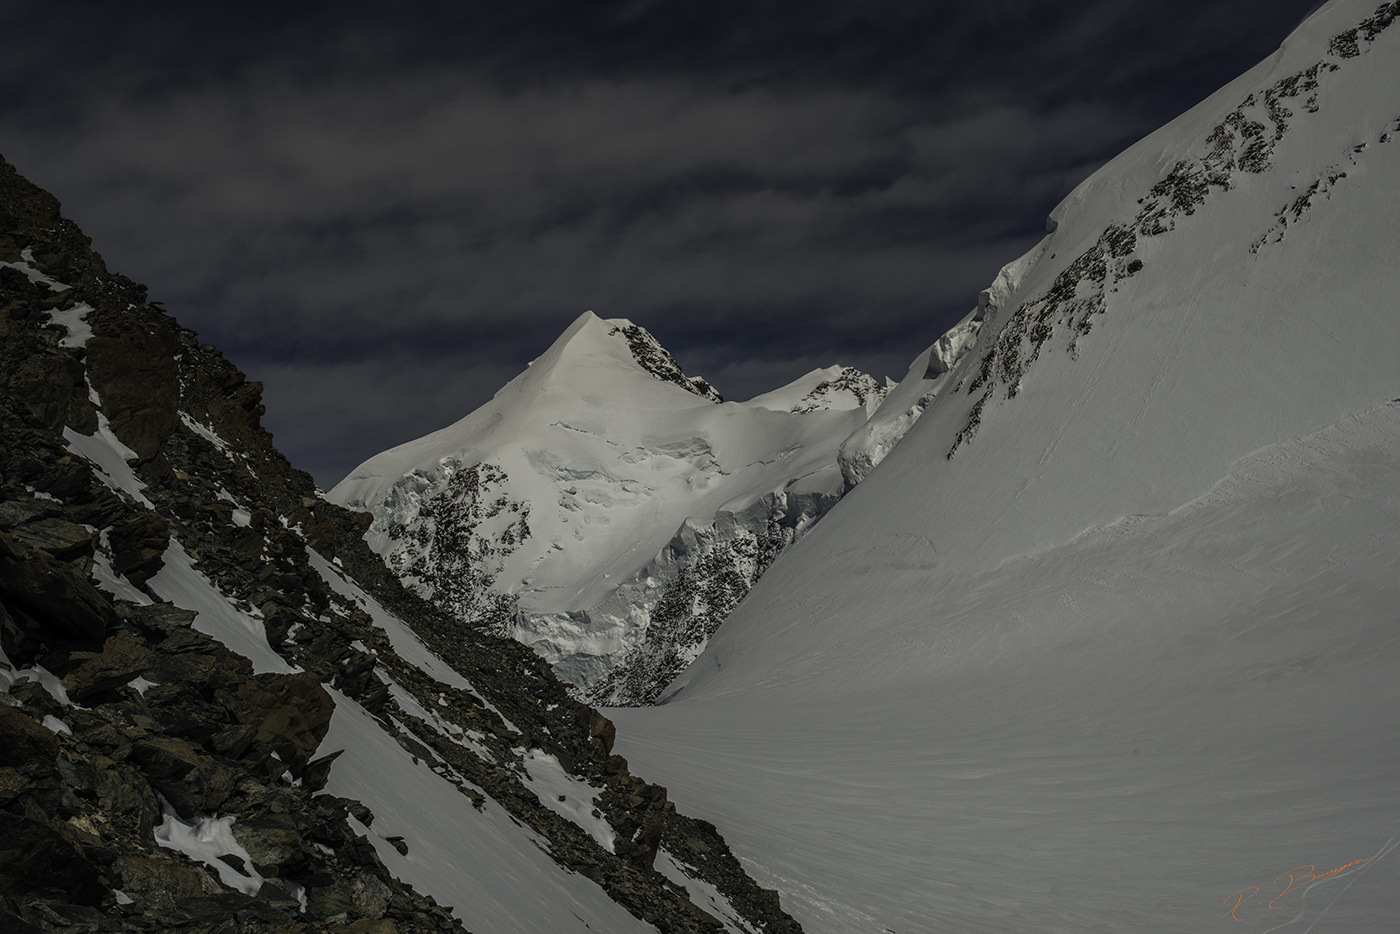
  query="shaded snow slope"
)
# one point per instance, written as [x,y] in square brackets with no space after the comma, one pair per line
[566,491]
[906,401]
[491,871]
[1110,636]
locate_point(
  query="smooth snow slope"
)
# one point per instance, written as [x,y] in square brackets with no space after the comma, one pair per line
[1128,658]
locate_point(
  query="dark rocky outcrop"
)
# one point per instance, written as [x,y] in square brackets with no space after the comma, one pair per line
[39,583]
[174,726]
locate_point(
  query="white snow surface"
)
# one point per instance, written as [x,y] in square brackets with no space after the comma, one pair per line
[702,894]
[611,460]
[32,272]
[205,838]
[180,583]
[56,725]
[1129,660]
[571,798]
[75,321]
[110,459]
[10,676]
[493,872]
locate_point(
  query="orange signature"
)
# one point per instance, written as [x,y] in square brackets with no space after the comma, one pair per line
[1295,877]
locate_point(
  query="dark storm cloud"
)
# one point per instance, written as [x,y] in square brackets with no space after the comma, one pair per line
[384,212]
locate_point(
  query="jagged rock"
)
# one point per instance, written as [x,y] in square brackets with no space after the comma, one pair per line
[164,877]
[97,506]
[318,771]
[17,512]
[37,861]
[12,784]
[138,547]
[290,713]
[604,731]
[164,618]
[272,840]
[275,893]
[9,922]
[52,591]
[60,538]
[365,926]
[641,850]
[137,378]
[70,919]
[332,902]
[188,668]
[190,782]
[369,896]
[23,739]
[121,659]
[48,385]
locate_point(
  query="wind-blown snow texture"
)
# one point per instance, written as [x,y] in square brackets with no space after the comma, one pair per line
[606,509]
[1109,641]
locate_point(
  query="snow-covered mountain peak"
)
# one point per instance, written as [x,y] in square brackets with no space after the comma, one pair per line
[563,509]
[609,355]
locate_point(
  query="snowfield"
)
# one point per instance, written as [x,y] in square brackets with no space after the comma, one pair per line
[1111,640]
[1117,734]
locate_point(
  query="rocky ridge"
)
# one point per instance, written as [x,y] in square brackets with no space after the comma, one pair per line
[657,361]
[133,461]
[1241,144]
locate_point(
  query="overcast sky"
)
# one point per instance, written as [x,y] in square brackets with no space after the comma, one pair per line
[382,211]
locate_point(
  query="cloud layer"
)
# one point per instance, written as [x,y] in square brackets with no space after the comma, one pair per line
[384,217]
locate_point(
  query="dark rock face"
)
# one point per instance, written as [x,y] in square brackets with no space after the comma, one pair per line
[121,659]
[289,714]
[138,546]
[174,726]
[1242,144]
[657,361]
[134,372]
[40,584]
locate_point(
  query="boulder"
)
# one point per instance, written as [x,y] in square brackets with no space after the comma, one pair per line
[37,862]
[52,592]
[59,537]
[167,876]
[12,923]
[190,782]
[122,658]
[364,926]
[158,618]
[17,512]
[603,731]
[318,771]
[272,840]
[138,547]
[290,714]
[127,799]
[23,740]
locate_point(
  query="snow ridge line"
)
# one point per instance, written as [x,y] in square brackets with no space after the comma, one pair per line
[1239,144]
